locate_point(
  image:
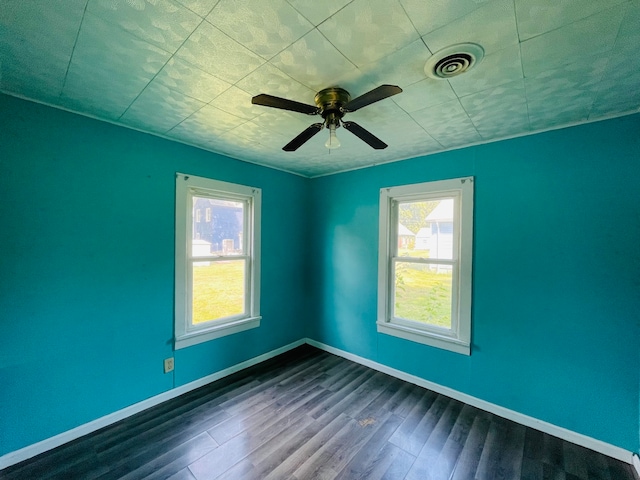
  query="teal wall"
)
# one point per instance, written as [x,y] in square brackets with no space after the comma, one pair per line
[86,268]
[556,299]
[86,272]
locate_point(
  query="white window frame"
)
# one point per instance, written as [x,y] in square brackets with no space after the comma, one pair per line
[187,186]
[458,338]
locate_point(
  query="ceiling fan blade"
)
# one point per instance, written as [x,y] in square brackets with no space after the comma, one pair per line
[284,104]
[306,134]
[364,135]
[372,96]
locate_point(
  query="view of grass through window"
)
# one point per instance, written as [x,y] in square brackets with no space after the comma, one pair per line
[423,294]
[218,290]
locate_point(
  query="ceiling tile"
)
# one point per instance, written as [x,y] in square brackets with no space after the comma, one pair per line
[317,12]
[158,109]
[495,102]
[617,97]
[619,90]
[591,36]
[536,17]
[499,111]
[503,66]
[427,93]
[36,46]
[237,102]
[429,16]
[184,77]
[201,7]
[564,95]
[403,135]
[255,134]
[109,69]
[286,123]
[273,81]
[448,123]
[376,29]
[493,27]
[543,116]
[163,23]
[265,28]
[314,62]
[214,52]
[208,122]
[629,33]
[402,67]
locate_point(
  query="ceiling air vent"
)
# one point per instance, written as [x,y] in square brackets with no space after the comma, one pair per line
[453,60]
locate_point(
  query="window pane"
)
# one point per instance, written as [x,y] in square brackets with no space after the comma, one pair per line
[425,229]
[218,226]
[423,293]
[218,290]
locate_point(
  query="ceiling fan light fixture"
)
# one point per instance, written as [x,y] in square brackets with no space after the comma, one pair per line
[332,141]
[453,60]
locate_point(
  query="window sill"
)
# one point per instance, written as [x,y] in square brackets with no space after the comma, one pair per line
[216,331]
[426,338]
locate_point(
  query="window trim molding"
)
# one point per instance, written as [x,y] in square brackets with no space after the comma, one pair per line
[458,341]
[185,334]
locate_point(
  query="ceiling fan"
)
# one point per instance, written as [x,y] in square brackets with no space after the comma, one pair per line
[332,104]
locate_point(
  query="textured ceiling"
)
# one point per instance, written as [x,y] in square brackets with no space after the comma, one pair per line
[187,69]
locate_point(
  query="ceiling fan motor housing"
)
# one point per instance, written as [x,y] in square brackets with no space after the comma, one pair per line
[330,102]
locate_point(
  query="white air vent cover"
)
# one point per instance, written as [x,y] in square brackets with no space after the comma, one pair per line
[453,60]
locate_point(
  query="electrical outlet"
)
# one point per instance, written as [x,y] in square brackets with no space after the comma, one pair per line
[168,365]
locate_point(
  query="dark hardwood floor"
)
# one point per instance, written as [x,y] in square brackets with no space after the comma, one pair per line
[308,414]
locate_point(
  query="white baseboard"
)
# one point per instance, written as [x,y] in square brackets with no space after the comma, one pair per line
[30,451]
[636,464]
[556,431]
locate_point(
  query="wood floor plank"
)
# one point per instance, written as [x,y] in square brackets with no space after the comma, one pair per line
[307,449]
[452,449]
[469,459]
[400,465]
[597,467]
[533,444]
[184,474]
[269,455]
[309,414]
[502,453]
[412,435]
[332,457]
[167,464]
[531,469]
[372,457]
[440,453]
[228,454]
[331,405]
[575,460]
[552,451]
[426,465]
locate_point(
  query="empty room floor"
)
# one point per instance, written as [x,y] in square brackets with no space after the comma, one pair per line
[309,414]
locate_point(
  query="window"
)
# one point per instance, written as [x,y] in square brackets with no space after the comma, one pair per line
[424,270]
[217,261]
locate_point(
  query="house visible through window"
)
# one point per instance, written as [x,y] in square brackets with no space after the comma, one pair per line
[425,263]
[217,272]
